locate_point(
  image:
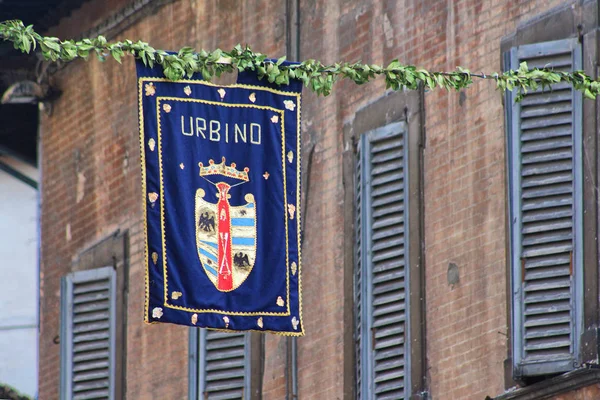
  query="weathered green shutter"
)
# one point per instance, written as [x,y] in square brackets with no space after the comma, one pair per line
[381,271]
[224,365]
[546,204]
[88,302]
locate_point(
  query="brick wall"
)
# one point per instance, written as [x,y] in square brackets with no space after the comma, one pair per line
[91,183]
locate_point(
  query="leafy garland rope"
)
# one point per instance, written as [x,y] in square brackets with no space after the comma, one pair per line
[315,75]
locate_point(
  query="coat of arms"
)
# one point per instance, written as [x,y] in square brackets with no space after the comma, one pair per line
[225,234]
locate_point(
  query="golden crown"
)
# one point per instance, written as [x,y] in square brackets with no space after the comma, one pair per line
[223,169]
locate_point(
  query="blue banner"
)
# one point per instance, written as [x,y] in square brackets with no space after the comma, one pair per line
[221,185]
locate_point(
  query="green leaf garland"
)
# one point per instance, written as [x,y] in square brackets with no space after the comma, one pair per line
[314,74]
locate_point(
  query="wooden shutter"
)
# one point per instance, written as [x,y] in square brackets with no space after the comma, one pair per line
[546,202]
[381,271]
[224,365]
[88,305]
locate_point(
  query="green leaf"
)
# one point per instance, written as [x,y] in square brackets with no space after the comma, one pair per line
[117,53]
[26,43]
[280,60]
[51,44]
[589,94]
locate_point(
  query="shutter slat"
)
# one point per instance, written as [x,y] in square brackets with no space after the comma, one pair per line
[387,189]
[548,332]
[96,394]
[543,122]
[560,259]
[92,386]
[91,375]
[548,237]
[546,156]
[553,307]
[88,346]
[91,286]
[545,191]
[92,364]
[551,61]
[544,109]
[392,200]
[546,250]
[546,225]
[545,132]
[547,202]
[546,97]
[91,297]
[546,273]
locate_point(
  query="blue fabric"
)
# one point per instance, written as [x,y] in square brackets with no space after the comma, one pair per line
[221,259]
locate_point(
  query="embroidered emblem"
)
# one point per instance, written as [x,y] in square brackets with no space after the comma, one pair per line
[181,166]
[280,301]
[252,97]
[152,197]
[275,119]
[225,234]
[226,320]
[221,93]
[259,322]
[176,295]
[167,108]
[290,156]
[266,175]
[289,104]
[295,323]
[157,312]
[154,257]
[294,267]
[291,210]
[187,90]
[151,144]
[194,318]
[150,89]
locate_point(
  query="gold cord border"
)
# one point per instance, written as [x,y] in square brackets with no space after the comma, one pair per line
[141,81]
[160,99]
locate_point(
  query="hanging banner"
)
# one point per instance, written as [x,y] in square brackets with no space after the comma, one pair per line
[221,186]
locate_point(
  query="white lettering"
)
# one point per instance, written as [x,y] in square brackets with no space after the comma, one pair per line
[253,139]
[217,136]
[217,131]
[191,132]
[242,135]
[200,130]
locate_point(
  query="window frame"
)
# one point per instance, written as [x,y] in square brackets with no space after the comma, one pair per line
[579,21]
[515,205]
[407,107]
[66,326]
[112,250]
[253,363]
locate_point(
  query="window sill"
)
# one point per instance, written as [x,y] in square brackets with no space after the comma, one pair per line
[566,382]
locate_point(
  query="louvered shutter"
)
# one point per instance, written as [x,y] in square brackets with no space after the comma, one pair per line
[88,305]
[224,365]
[546,203]
[382,276]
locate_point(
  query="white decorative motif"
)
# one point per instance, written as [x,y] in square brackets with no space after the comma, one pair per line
[289,104]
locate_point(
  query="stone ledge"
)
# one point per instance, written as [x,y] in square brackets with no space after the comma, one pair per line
[566,382]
